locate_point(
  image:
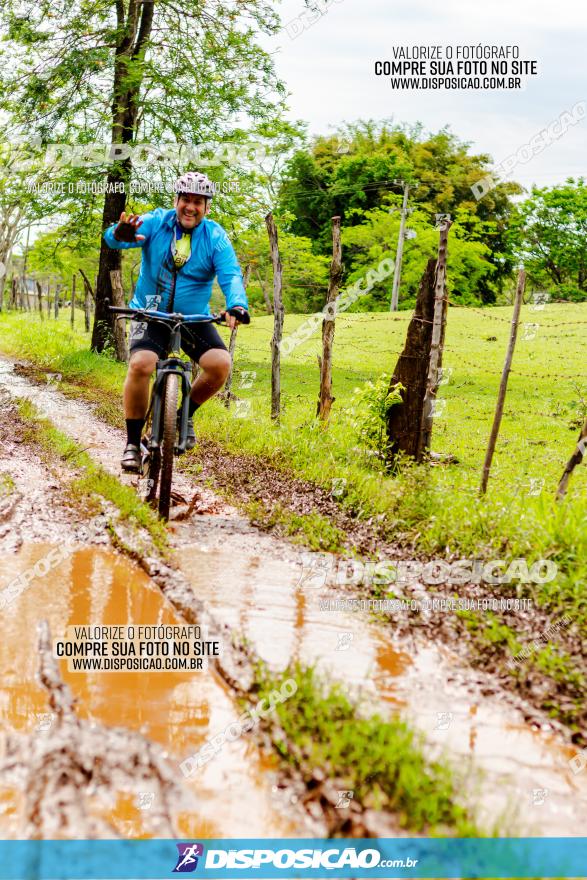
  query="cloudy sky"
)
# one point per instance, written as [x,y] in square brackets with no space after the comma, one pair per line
[328,69]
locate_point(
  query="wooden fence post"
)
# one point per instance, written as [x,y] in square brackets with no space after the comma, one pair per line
[325,398]
[56,300]
[73,302]
[575,459]
[24,294]
[120,346]
[86,306]
[277,318]
[503,382]
[40,296]
[232,345]
[437,344]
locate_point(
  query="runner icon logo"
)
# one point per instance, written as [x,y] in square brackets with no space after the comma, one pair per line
[187,860]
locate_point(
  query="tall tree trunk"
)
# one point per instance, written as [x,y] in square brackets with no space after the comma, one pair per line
[134,32]
[110,261]
[120,346]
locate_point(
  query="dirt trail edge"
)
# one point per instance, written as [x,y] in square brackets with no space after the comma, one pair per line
[222,558]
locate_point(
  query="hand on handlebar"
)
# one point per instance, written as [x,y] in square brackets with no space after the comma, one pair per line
[127,228]
[236,315]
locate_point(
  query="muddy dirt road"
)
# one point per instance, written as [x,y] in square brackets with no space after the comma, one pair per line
[120,737]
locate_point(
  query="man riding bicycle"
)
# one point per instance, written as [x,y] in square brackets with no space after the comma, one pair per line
[182,253]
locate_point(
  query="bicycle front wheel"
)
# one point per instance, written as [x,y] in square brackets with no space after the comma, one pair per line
[171,395]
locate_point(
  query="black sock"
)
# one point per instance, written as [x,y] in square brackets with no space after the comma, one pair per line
[134,428]
[192,407]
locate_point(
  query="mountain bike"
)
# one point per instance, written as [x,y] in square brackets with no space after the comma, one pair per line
[173,376]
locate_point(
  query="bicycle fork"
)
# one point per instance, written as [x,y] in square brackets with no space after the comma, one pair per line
[164,369]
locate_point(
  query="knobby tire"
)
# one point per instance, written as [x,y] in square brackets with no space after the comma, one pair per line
[171,394]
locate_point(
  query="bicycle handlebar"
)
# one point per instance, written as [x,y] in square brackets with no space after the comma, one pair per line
[166,316]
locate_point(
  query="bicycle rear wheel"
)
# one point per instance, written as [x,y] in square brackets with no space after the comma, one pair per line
[171,394]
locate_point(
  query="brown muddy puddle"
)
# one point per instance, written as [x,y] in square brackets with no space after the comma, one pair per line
[178,710]
[524,779]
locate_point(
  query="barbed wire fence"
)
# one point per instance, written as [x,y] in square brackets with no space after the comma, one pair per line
[485,362]
[44,298]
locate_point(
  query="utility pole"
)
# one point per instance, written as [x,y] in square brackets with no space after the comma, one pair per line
[400,246]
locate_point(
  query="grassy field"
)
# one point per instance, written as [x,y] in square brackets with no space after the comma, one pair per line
[546,402]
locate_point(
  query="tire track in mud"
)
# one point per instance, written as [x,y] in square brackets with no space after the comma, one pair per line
[254,587]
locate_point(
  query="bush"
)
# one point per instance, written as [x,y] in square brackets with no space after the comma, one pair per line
[370,408]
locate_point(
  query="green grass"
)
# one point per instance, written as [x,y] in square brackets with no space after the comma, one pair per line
[312,529]
[437,509]
[7,485]
[94,483]
[319,728]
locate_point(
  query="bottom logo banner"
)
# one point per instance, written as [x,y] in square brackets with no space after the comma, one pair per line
[272,858]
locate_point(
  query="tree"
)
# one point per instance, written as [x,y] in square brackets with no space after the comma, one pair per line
[305,274]
[551,237]
[353,171]
[59,253]
[132,72]
[376,239]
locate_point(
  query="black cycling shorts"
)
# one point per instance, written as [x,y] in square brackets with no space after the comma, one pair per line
[196,338]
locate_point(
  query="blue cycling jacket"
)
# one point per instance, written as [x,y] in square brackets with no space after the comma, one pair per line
[212,255]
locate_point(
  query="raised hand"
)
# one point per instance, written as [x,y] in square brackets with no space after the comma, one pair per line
[127,228]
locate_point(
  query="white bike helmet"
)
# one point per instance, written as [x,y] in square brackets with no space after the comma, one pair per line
[196,183]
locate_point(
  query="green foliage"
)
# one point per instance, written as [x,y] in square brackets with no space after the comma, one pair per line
[370,407]
[7,485]
[550,229]
[312,530]
[65,67]
[62,253]
[353,171]
[376,238]
[305,274]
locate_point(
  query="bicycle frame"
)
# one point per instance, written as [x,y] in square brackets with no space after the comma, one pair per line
[171,364]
